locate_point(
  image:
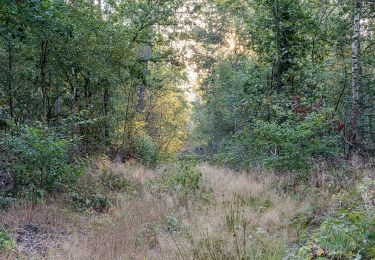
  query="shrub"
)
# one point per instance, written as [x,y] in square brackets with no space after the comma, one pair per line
[146,149]
[100,186]
[6,201]
[185,180]
[90,193]
[39,163]
[95,201]
[348,233]
[113,181]
[351,235]
[6,242]
[291,145]
[181,177]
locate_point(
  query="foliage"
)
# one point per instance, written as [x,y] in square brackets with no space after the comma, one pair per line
[39,162]
[7,243]
[146,149]
[290,145]
[173,224]
[113,181]
[348,232]
[182,178]
[244,124]
[76,67]
[6,201]
[280,95]
[98,189]
[349,235]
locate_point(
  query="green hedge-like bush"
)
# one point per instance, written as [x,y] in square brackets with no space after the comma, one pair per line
[348,233]
[181,177]
[39,162]
[7,243]
[146,149]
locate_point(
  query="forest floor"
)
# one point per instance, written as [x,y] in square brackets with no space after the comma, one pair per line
[232,216]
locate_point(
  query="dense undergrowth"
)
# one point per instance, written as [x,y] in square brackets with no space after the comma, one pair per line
[96,100]
[186,209]
[183,208]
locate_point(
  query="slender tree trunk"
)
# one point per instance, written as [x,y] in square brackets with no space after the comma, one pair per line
[141,95]
[73,91]
[58,104]
[10,80]
[99,7]
[353,132]
[278,74]
[107,9]
[88,93]
[106,114]
[43,65]
[106,97]
[83,127]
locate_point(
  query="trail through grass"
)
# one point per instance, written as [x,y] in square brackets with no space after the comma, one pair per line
[177,211]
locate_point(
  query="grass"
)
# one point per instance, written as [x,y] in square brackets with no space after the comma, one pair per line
[226,215]
[243,219]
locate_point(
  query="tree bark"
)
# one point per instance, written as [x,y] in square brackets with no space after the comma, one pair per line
[58,105]
[10,80]
[142,87]
[73,91]
[106,114]
[353,132]
[88,93]
[106,97]
[43,64]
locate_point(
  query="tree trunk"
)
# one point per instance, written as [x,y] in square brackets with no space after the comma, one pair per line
[278,75]
[43,64]
[106,114]
[353,132]
[58,105]
[106,96]
[88,93]
[73,91]
[10,80]
[141,95]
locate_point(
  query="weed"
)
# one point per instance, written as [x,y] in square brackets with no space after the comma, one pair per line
[7,243]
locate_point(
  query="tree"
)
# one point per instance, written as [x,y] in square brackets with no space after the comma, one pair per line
[353,132]
[70,69]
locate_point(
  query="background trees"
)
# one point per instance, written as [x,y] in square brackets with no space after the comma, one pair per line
[275,76]
[285,96]
[75,67]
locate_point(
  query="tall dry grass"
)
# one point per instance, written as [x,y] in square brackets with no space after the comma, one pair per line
[244,219]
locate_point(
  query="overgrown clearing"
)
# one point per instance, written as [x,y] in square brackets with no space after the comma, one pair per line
[187,129]
[170,213]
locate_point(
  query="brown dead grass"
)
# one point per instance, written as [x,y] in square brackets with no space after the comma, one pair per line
[260,215]
[37,228]
[136,228]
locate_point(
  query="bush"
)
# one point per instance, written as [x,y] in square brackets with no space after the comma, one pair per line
[351,235]
[90,193]
[39,163]
[6,201]
[113,181]
[183,178]
[291,145]
[6,242]
[99,187]
[146,149]
[350,232]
